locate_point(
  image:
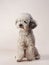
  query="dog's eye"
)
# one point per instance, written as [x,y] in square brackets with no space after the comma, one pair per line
[25,22]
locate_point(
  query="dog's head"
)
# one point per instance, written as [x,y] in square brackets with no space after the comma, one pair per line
[25,22]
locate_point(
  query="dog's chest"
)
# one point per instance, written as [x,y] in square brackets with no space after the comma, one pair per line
[25,38]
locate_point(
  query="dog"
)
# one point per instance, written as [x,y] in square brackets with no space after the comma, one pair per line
[25,38]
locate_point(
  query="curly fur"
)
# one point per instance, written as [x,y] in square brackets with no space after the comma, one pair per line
[25,38]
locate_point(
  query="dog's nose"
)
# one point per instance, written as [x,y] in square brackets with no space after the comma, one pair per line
[20,25]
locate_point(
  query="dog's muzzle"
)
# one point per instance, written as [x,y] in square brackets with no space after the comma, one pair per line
[21,26]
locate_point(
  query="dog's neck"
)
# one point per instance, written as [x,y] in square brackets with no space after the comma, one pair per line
[26,33]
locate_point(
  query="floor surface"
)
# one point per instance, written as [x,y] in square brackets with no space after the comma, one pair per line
[8,58]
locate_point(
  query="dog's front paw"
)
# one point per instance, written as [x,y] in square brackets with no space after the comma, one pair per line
[18,60]
[30,59]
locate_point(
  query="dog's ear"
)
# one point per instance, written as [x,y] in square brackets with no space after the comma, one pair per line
[32,24]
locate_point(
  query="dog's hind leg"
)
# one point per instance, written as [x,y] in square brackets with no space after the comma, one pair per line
[37,55]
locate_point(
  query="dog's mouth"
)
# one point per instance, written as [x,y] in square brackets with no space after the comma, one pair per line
[23,27]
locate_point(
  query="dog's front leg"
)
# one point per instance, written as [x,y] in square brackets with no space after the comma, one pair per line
[30,53]
[20,53]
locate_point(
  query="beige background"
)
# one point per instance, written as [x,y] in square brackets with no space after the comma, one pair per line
[10,9]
